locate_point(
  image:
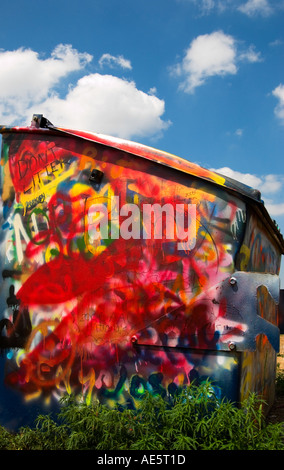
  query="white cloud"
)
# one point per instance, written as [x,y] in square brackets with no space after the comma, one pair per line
[245,178]
[208,6]
[25,77]
[250,8]
[275,210]
[152,91]
[207,55]
[239,132]
[256,7]
[271,187]
[107,104]
[277,42]
[29,83]
[278,92]
[211,54]
[271,184]
[111,61]
[266,184]
[250,55]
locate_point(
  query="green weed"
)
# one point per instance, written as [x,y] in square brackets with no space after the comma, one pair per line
[195,419]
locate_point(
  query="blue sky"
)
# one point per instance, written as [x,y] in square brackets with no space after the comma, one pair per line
[202,79]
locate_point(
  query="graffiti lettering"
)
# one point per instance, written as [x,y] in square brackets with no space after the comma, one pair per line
[116,289]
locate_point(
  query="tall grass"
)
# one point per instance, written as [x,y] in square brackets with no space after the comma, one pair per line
[193,420]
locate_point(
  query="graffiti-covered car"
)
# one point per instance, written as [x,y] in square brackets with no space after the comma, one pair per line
[126,269]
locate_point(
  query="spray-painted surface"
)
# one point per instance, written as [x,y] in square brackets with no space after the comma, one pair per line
[92,302]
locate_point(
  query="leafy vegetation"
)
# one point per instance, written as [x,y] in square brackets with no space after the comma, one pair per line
[193,420]
[279,384]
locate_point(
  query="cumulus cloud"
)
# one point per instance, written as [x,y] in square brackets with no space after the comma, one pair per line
[278,92]
[215,54]
[25,77]
[107,104]
[271,187]
[30,83]
[111,61]
[256,7]
[207,55]
[267,184]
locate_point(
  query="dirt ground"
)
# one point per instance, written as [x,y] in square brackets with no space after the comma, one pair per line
[276,413]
